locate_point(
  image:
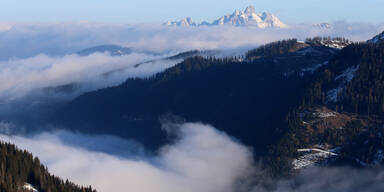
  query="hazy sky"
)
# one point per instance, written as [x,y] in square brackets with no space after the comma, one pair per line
[138,11]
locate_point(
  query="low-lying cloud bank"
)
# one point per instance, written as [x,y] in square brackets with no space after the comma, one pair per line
[201,159]
[27,40]
[41,55]
[22,76]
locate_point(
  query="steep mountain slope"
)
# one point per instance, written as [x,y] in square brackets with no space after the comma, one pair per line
[341,112]
[20,171]
[248,17]
[241,96]
[377,39]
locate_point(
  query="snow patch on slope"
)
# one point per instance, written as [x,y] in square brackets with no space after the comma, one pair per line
[348,74]
[335,44]
[344,78]
[325,114]
[314,156]
[29,187]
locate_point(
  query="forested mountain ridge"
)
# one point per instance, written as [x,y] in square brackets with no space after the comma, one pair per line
[377,39]
[241,96]
[20,171]
[291,101]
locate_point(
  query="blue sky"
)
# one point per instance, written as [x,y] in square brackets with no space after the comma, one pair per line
[138,11]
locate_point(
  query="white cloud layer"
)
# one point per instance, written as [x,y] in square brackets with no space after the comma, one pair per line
[202,159]
[27,40]
[21,76]
[47,59]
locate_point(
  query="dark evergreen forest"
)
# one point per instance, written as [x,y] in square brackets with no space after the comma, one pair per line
[18,167]
[247,98]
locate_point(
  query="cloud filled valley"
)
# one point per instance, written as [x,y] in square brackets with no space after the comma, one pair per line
[20,77]
[200,159]
[193,163]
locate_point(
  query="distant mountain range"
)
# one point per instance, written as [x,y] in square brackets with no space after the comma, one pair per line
[248,17]
[113,50]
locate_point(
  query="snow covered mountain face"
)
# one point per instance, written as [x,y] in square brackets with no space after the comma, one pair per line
[248,17]
[377,39]
[184,22]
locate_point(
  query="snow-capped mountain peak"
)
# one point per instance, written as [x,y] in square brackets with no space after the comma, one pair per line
[184,22]
[271,20]
[248,17]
